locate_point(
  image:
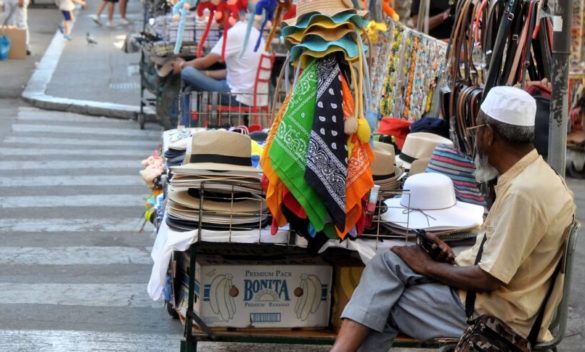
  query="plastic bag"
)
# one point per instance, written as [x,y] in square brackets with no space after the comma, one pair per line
[4,47]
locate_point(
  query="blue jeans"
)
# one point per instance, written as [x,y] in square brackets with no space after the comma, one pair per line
[199,82]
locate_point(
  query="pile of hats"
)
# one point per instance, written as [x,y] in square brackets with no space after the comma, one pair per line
[317,157]
[323,27]
[384,170]
[429,203]
[417,150]
[217,188]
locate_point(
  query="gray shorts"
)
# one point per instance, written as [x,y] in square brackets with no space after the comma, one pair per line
[391,298]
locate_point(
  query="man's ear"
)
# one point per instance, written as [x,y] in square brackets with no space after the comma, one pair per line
[489,136]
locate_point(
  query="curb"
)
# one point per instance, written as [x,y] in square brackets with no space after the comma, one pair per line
[36,88]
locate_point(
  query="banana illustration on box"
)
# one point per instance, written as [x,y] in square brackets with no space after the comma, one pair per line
[221,296]
[309,296]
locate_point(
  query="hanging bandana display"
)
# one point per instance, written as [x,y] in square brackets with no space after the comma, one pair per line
[288,153]
[327,158]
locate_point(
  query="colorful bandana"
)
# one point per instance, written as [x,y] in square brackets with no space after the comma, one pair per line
[288,153]
[327,158]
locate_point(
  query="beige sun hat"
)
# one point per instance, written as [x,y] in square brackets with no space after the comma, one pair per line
[182,197]
[419,145]
[418,166]
[384,171]
[328,8]
[218,151]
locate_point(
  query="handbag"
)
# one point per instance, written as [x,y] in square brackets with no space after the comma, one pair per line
[489,334]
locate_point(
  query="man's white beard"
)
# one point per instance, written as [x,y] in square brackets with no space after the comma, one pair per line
[484,172]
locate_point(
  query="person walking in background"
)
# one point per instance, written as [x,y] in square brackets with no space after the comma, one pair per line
[16,14]
[123,20]
[67,7]
[111,4]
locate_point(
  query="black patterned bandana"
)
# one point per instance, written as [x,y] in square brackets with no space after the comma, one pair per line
[326,169]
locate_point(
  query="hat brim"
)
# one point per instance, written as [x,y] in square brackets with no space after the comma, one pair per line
[330,12]
[461,215]
[212,168]
[403,164]
[247,206]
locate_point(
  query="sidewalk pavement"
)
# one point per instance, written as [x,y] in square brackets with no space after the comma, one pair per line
[93,79]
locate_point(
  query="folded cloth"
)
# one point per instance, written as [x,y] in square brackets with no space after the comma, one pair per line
[288,153]
[326,168]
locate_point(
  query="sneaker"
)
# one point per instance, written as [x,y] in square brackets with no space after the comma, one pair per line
[110,24]
[67,37]
[124,22]
[96,19]
[28,53]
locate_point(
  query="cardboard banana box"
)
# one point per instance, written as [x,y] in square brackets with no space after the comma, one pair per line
[288,293]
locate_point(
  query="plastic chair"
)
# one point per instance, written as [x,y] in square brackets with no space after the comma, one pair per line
[261,87]
[558,325]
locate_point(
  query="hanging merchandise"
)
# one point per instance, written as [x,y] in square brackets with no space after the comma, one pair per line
[493,43]
[180,11]
[225,13]
[404,85]
[318,152]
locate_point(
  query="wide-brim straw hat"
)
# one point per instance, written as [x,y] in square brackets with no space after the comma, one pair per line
[318,44]
[325,22]
[419,145]
[219,151]
[247,205]
[327,8]
[428,202]
[328,34]
[418,166]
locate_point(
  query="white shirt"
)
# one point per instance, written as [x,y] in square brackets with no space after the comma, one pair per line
[241,71]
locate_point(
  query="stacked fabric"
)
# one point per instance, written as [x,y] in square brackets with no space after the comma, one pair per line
[429,203]
[217,188]
[317,157]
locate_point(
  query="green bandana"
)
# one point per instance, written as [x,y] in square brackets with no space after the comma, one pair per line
[288,153]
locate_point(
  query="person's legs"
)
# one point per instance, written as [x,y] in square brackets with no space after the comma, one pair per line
[122,9]
[19,18]
[100,9]
[386,282]
[110,13]
[197,81]
[200,82]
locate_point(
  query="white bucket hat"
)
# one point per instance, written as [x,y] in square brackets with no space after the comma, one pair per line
[428,202]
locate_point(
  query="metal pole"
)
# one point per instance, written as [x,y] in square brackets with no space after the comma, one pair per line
[559,107]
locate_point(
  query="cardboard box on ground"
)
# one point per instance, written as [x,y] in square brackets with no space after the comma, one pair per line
[285,293]
[17,38]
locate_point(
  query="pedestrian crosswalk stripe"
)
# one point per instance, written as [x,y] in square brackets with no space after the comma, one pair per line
[88,295]
[66,180]
[36,116]
[91,341]
[83,130]
[94,143]
[71,151]
[74,255]
[68,165]
[74,201]
[11,225]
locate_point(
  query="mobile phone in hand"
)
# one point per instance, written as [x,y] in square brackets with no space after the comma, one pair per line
[426,244]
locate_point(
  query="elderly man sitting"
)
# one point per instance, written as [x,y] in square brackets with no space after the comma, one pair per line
[520,245]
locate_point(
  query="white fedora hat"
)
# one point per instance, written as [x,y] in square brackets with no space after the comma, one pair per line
[428,202]
[419,145]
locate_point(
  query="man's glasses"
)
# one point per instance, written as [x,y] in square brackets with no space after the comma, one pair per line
[473,130]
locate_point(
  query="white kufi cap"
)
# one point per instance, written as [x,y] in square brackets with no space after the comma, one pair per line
[510,105]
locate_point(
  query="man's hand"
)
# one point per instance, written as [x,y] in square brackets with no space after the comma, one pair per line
[416,258]
[446,254]
[178,65]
